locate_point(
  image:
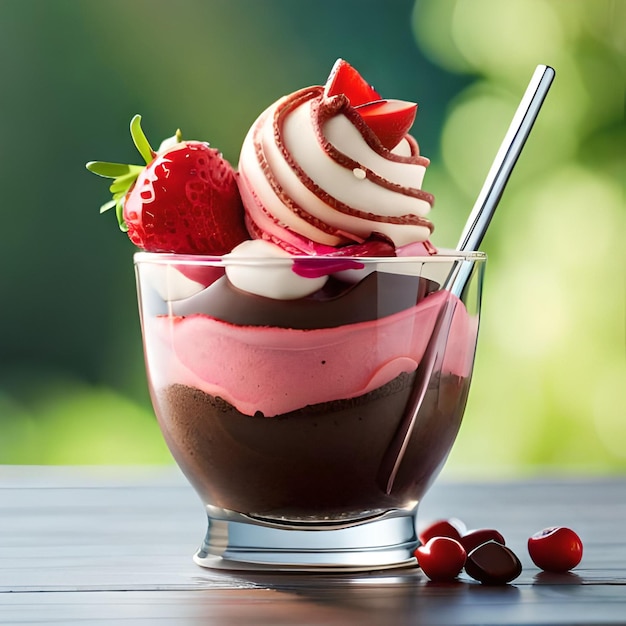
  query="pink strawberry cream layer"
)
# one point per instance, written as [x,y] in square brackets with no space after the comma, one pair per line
[277,370]
[313,174]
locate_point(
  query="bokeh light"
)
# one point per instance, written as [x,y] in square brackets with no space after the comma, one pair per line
[548,392]
[502,39]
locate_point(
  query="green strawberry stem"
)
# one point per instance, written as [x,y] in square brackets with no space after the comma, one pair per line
[123,175]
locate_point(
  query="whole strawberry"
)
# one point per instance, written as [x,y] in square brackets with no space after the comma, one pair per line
[184,200]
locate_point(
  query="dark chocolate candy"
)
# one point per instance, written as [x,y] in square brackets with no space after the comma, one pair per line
[493,564]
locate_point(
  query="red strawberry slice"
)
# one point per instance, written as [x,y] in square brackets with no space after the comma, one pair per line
[185,200]
[344,79]
[389,119]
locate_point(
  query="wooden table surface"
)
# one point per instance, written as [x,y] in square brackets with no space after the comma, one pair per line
[114,545]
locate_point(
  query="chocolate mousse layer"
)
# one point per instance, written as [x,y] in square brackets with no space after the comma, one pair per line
[338,303]
[315,462]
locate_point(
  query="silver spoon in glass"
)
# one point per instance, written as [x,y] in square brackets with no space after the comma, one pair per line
[499,174]
[471,238]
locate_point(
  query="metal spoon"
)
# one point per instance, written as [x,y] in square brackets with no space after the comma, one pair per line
[499,174]
[471,238]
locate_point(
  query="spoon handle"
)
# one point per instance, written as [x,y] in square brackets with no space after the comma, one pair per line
[510,149]
[461,272]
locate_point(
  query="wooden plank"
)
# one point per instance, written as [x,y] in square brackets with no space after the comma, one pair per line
[422,604]
[78,544]
[100,531]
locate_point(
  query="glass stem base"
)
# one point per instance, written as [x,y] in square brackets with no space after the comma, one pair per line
[235,541]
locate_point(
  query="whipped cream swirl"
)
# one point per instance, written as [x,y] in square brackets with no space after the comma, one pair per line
[313,177]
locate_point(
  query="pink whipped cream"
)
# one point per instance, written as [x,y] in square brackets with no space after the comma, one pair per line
[258,368]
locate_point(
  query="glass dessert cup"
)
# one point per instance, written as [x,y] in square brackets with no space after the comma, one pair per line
[309,427]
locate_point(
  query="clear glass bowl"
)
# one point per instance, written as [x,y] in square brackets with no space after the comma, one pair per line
[310,427]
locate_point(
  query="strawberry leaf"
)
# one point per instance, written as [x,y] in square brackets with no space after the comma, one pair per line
[140,140]
[123,175]
[112,170]
[107,205]
[119,213]
[118,203]
[123,183]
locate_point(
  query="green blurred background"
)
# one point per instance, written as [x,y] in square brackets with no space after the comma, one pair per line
[549,391]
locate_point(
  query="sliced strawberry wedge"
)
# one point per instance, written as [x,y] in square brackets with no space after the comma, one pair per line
[345,79]
[389,119]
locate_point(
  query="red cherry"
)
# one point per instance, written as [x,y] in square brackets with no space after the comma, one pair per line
[452,528]
[441,559]
[389,119]
[555,549]
[345,79]
[474,538]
